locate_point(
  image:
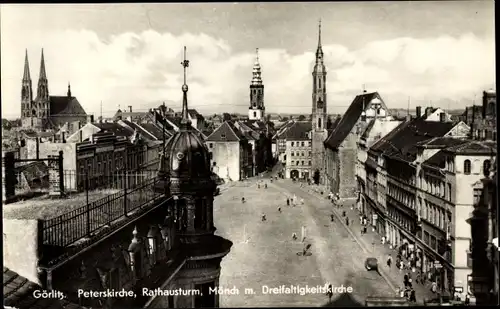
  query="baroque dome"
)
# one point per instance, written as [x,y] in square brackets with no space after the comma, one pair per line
[185,160]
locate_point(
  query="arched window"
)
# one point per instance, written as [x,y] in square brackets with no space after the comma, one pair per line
[255,114]
[467,167]
[319,82]
[319,123]
[486,167]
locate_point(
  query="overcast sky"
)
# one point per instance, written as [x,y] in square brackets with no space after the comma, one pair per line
[439,53]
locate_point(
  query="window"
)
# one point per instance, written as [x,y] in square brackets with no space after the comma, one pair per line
[210,155]
[319,82]
[310,153]
[223,136]
[302,144]
[211,145]
[319,123]
[426,238]
[433,242]
[477,195]
[255,114]
[467,167]
[486,167]
[302,162]
[292,153]
[449,192]
[293,144]
[309,162]
[302,153]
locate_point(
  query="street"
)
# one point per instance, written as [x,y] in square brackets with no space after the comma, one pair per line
[264,253]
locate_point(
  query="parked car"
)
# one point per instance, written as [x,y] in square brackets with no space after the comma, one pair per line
[371,263]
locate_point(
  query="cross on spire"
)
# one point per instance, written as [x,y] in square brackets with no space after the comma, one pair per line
[185,119]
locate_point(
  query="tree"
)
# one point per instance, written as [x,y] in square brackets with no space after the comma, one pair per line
[302,118]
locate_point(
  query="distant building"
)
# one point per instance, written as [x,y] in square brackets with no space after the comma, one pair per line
[230,153]
[298,153]
[483,119]
[341,145]
[257,110]
[280,141]
[46,112]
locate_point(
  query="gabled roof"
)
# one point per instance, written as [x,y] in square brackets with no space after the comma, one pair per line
[298,131]
[401,142]
[63,105]
[438,160]
[18,293]
[283,128]
[441,142]
[114,128]
[139,129]
[349,119]
[226,132]
[368,128]
[474,147]
[154,130]
[194,113]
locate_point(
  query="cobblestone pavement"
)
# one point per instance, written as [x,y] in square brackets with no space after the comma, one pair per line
[264,253]
[371,241]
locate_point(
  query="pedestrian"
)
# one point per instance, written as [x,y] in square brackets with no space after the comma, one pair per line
[279,209]
[347,221]
[389,260]
[265,186]
[343,213]
[410,284]
[467,300]
[364,229]
[263,217]
[434,287]
[402,292]
[330,291]
[294,236]
[243,200]
[302,201]
[413,297]
[287,202]
[383,240]
[401,266]
[405,280]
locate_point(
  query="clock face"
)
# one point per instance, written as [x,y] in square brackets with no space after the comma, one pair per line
[320,104]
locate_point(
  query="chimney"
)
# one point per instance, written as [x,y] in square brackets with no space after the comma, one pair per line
[91,138]
[428,111]
[90,118]
[63,139]
[419,111]
[442,117]
[37,149]
[81,136]
[130,108]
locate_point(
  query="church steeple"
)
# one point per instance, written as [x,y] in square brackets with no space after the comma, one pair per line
[256,72]
[43,84]
[256,109]
[319,66]
[69,90]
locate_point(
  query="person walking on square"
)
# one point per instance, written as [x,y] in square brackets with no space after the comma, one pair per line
[329,292]
[279,209]
[347,221]
[294,236]
[263,217]
[389,260]
[332,217]
[364,229]
[287,202]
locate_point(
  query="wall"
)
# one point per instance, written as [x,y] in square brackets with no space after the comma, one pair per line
[255,114]
[318,153]
[226,155]
[21,246]
[347,164]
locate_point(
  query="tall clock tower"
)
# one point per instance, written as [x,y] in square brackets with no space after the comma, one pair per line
[319,115]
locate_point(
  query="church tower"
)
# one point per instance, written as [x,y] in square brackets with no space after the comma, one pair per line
[42,101]
[256,109]
[26,94]
[319,115]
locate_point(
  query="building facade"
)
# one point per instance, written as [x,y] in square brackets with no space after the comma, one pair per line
[319,116]
[483,119]
[298,154]
[256,111]
[230,153]
[341,145]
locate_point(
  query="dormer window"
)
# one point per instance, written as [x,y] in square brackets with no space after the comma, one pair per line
[223,136]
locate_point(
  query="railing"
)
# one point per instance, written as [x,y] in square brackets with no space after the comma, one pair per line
[85,221]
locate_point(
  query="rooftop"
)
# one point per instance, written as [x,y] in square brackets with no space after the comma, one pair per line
[298,130]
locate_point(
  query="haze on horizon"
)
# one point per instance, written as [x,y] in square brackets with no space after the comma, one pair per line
[437,53]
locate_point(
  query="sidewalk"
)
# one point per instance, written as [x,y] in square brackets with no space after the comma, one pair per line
[372,243]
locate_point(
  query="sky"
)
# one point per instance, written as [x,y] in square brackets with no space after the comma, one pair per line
[115,56]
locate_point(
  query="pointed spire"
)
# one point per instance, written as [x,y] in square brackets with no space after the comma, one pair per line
[319,34]
[319,51]
[43,74]
[256,72]
[69,90]
[26,75]
[185,122]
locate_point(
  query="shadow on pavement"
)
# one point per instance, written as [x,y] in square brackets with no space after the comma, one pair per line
[344,300]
